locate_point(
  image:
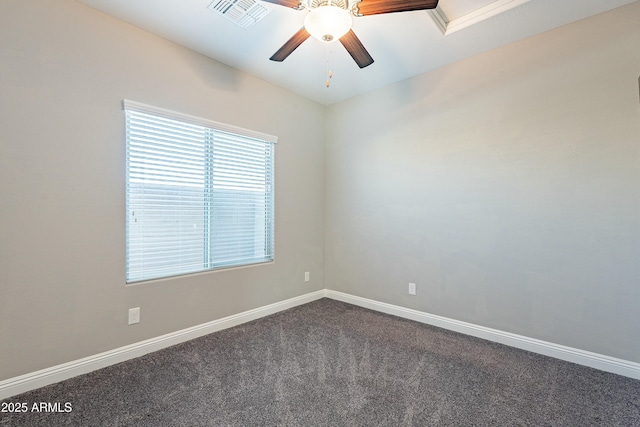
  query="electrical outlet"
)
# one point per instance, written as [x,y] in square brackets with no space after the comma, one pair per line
[306,276]
[134,315]
[412,288]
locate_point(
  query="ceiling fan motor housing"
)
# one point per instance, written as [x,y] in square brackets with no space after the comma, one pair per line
[314,4]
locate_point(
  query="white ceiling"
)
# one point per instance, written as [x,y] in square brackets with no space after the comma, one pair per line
[402,44]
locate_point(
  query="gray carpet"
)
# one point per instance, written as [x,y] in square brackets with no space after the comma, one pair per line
[333,364]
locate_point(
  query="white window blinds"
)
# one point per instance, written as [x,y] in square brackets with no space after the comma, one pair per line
[199,194]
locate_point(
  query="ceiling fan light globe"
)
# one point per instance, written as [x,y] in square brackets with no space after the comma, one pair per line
[328,23]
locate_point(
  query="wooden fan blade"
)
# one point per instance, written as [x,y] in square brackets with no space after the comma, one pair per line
[294,4]
[377,7]
[291,45]
[356,49]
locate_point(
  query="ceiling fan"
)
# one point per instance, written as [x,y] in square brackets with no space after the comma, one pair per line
[330,20]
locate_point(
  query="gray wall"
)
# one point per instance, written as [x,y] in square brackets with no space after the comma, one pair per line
[64,69]
[506,186]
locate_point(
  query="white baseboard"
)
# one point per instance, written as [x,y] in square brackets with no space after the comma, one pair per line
[569,354]
[31,381]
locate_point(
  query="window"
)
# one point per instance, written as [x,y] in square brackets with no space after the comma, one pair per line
[199,194]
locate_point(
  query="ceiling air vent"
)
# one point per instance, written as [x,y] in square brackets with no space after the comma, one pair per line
[243,12]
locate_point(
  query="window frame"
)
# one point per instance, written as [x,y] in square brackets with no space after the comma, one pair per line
[210,125]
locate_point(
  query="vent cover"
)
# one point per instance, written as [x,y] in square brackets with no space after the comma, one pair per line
[244,13]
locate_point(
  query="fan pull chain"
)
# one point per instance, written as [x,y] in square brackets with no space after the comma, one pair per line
[329,72]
